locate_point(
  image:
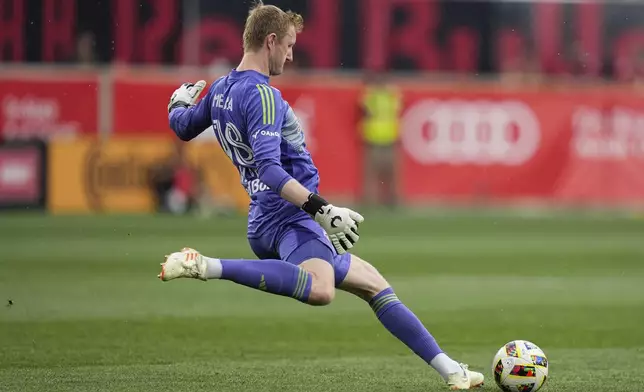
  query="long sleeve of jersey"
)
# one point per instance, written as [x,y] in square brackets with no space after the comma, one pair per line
[265,115]
[188,123]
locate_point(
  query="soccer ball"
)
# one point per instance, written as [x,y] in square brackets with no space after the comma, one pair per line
[520,366]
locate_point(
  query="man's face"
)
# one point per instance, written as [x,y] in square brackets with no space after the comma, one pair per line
[282,51]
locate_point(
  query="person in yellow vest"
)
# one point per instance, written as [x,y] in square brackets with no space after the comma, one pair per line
[381,105]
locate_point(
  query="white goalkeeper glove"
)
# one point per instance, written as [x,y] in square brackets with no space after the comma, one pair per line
[341,224]
[186,95]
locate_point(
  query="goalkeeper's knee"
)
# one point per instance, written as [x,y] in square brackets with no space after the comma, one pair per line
[363,279]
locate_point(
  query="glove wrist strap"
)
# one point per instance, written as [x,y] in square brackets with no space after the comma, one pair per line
[178,104]
[314,204]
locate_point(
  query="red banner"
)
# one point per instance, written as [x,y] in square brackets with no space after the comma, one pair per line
[47,106]
[330,115]
[606,152]
[141,107]
[578,146]
[564,145]
[569,144]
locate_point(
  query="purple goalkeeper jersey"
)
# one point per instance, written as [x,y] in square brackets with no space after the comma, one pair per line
[261,135]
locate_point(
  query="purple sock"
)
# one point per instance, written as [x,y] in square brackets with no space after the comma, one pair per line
[404,325]
[274,276]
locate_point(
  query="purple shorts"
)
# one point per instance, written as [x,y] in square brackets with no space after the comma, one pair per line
[300,241]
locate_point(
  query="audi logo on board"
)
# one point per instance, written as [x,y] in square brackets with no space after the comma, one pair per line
[470,132]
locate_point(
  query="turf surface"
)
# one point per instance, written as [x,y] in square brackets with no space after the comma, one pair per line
[88,313]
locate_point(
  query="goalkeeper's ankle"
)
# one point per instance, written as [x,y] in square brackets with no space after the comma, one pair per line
[213,268]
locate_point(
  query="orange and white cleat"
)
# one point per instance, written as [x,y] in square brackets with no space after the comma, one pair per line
[465,380]
[185,264]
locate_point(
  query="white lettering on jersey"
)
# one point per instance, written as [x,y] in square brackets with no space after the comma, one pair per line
[266,133]
[233,145]
[256,186]
[218,102]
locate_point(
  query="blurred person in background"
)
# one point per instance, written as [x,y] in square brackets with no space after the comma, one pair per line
[381,106]
[85,49]
[179,187]
[173,183]
[520,64]
[637,72]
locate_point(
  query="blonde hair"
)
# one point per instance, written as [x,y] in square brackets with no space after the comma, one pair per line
[263,20]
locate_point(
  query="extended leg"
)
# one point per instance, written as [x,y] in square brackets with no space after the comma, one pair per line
[366,282]
[305,282]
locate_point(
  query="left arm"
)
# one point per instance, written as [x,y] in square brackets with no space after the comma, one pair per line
[188,120]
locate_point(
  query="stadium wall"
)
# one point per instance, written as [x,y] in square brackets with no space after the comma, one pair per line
[564,144]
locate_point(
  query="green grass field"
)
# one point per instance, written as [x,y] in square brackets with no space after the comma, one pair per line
[89,314]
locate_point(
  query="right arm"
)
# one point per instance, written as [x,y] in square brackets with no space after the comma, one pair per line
[264,113]
[295,193]
[264,119]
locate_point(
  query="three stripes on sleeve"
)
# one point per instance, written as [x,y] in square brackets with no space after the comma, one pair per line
[268,104]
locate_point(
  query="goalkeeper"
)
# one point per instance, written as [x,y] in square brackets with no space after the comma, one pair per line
[301,240]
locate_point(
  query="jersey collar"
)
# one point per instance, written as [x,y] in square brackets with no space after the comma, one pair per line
[249,73]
